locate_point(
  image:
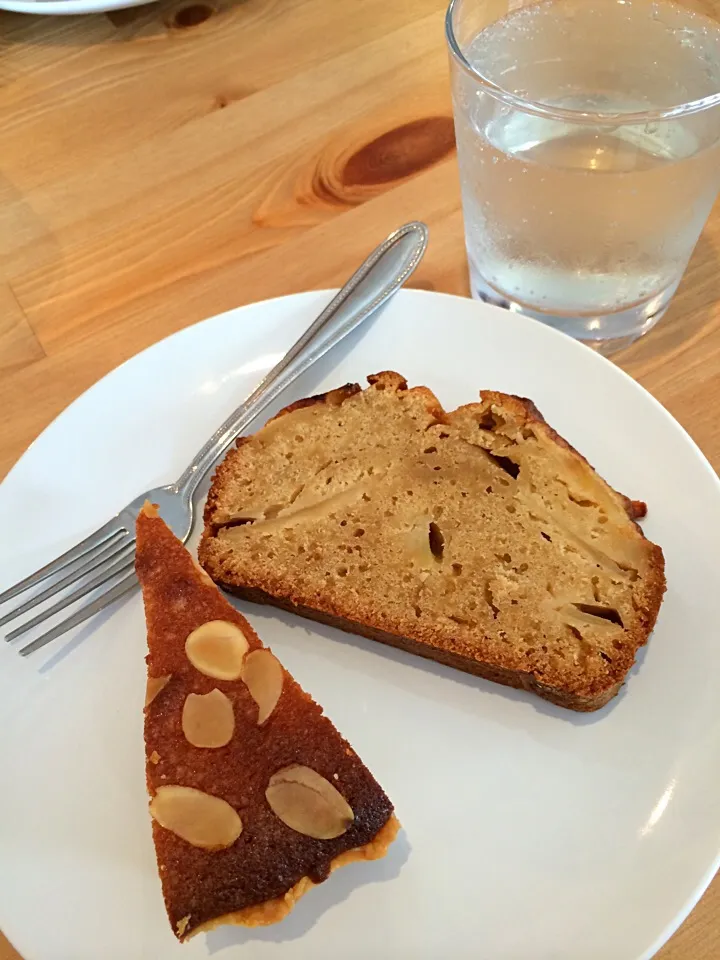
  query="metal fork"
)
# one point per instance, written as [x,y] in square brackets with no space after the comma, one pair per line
[101,566]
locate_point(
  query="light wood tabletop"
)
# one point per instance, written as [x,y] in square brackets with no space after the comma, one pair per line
[162,164]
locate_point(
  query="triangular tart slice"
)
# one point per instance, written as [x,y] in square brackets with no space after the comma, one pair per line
[255,796]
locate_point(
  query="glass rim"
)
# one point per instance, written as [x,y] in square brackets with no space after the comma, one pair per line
[540,109]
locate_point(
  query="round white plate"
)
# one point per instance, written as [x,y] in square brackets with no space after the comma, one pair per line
[531,833]
[68,8]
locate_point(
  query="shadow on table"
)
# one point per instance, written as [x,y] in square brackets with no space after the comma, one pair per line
[691,315]
[147,20]
[31,225]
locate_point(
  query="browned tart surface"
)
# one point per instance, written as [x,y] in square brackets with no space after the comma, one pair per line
[255,877]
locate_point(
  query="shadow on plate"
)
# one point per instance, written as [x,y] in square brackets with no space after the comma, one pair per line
[335,890]
[431,668]
[91,627]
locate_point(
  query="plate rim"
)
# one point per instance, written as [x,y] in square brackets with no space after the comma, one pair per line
[404,293]
[69,8]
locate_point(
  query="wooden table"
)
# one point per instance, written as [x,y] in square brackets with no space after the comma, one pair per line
[162,164]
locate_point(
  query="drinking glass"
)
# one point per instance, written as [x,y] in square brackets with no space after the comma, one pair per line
[588,136]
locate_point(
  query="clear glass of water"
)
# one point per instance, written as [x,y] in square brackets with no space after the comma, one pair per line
[588,136]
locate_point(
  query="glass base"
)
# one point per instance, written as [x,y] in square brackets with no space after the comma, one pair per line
[604,333]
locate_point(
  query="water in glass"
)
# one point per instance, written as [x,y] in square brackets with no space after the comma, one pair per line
[587,219]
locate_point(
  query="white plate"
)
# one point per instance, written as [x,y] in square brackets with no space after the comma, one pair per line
[531,833]
[68,8]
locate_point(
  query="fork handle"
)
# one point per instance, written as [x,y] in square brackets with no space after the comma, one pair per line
[380,276]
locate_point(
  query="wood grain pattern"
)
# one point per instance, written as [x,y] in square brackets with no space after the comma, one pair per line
[165,163]
[19,346]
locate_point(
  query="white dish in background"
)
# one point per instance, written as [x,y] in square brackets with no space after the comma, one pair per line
[530,833]
[68,8]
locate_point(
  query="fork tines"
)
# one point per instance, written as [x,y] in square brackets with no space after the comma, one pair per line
[99,568]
